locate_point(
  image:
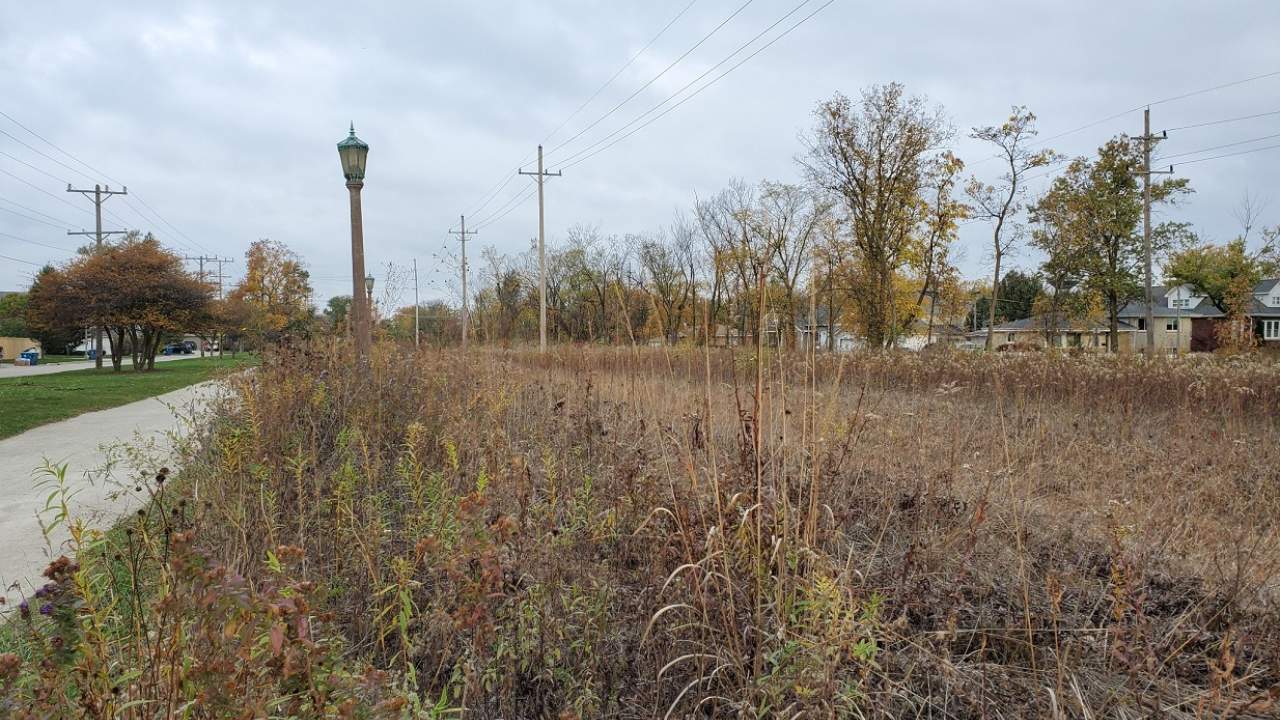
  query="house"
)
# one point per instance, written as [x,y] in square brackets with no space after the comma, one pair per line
[844,341]
[1184,320]
[921,334]
[1037,330]
[726,336]
[1265,312]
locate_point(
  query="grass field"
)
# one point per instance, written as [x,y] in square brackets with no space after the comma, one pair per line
[35,400]
[634,533]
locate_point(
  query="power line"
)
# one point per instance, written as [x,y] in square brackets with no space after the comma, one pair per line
[497,188]
[515,202]
[653,79]
[47,174]
[166,222]
[1122,113]
[579,158]
[493,192]
[33,242]
[91,168]
[506,206]
[1219,147]
[43,155]
[619,71]
[26,262]
[46,192]
[1223,122]
[1227,155]
[1202,91]
[64,223]
[51,144]
[35,219]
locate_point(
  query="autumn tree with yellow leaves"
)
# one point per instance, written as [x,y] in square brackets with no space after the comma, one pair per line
[273,301]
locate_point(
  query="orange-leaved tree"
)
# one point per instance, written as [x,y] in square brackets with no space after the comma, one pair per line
[273,301]
[135,289]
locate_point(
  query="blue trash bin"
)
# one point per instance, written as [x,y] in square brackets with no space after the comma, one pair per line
[91,354]
[33,357]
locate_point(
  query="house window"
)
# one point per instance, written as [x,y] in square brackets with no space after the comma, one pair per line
[1142,324]
[1171,324]
[1010,337]
[1271,329]
[1180,303]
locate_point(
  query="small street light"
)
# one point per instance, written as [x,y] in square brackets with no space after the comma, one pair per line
[368,288]
[353,152]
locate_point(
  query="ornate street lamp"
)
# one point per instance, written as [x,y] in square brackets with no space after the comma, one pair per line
[368,289]
[353,151]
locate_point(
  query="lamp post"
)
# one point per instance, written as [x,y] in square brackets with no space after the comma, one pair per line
[353,151]
[368,289]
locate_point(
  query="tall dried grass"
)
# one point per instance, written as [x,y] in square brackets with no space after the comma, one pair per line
[640,533]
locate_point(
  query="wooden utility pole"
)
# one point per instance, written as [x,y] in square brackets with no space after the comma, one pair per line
[101,193]
[214,259]
[415,302]
[1146,172]
[540,176]
[466,313]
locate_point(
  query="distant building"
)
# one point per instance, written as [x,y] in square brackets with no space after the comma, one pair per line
[1042,331]
[1187,320]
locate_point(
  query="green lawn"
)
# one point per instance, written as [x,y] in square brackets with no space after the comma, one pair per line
[27,402]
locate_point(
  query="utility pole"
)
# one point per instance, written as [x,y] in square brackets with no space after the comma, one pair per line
[210,259]
[415,302]
[541,175]
[101,193]
[1146,172]
[466,313]
[222,337]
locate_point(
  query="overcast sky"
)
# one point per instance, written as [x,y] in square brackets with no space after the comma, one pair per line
[221,117]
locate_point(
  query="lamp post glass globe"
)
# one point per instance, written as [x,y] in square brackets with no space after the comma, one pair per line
[368,284]
[353,152]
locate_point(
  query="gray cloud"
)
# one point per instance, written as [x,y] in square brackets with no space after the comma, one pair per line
[223,116]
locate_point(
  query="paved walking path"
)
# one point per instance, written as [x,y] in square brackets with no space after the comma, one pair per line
[83,443]
[8,370]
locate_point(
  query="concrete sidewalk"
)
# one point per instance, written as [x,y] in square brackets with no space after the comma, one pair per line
[7,370]
[94,472]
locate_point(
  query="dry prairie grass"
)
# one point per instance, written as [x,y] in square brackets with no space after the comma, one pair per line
[626,533]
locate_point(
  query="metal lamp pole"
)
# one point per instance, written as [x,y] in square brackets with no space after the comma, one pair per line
[353,152]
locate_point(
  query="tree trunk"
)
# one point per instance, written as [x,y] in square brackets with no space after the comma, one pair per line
[995,298]
[1113,332]
[831,306]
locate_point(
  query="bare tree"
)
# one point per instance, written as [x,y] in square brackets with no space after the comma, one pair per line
[725,224]
[665,276]
[1003,202]
[788,219]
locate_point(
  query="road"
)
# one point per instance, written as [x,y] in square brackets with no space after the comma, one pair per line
[7,370]
[94,472]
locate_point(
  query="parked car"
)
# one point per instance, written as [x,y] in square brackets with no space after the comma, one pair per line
[175,349]
[190,345]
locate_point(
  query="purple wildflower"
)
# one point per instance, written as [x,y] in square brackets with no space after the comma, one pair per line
[24,608]
[46,609]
